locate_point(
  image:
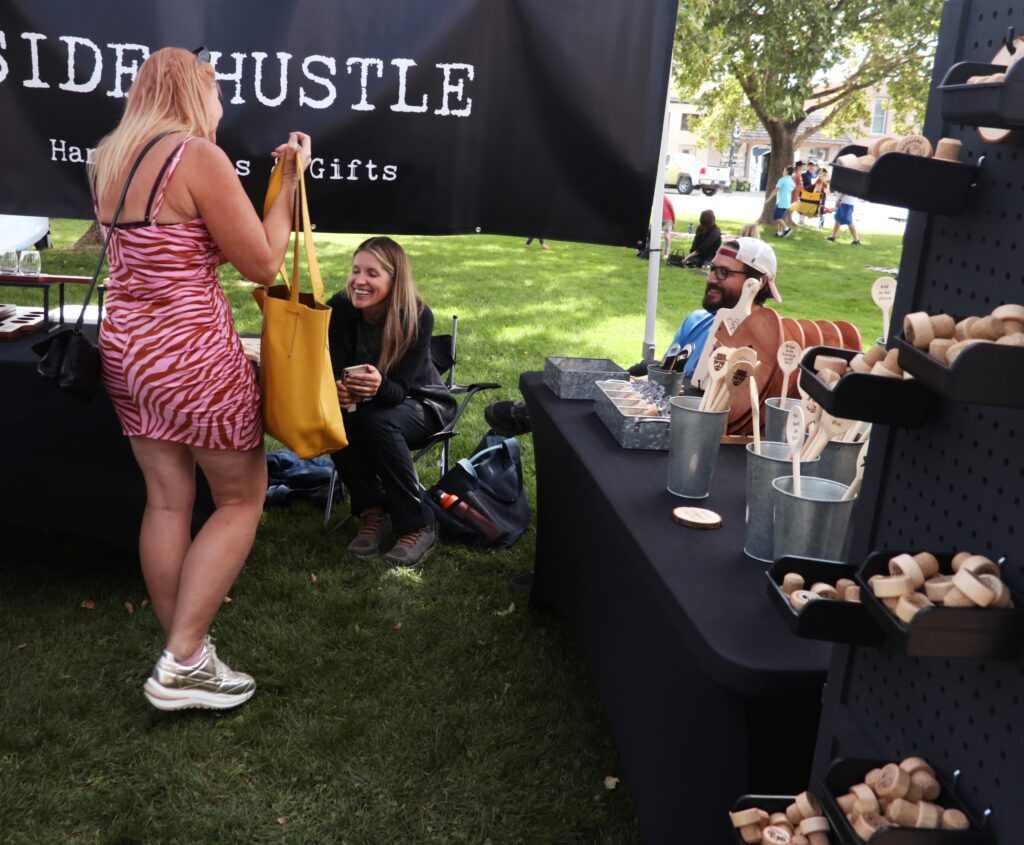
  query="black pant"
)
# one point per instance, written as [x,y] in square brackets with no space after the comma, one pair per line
[377,467]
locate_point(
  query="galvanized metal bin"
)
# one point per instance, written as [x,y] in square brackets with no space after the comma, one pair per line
[573,378]
[631,429]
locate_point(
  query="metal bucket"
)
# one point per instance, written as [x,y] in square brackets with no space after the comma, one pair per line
[670,381]
[775,415]
[762,470]
[838,462]
[694,438]
[813,524]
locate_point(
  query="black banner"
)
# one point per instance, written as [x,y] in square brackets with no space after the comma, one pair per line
[522,117]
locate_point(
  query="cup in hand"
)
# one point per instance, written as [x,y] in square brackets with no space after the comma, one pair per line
[9,261]
[29,264]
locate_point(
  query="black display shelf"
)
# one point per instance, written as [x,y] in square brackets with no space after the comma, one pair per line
[822,619]
[916,182]
[769,803]
[844,773]
[999,105]
[978,633]
[983,374]
[862,396]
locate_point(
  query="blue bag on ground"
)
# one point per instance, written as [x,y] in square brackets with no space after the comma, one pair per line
[480,502]
[291,478]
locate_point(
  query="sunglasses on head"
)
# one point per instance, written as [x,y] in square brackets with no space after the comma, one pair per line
[202,55]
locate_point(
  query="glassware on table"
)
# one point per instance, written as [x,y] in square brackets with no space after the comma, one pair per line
[9,261]
[29,265]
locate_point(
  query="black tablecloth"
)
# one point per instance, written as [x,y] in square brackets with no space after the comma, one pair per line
[68,467]
[708,692]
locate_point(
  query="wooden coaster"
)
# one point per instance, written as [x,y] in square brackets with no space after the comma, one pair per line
[696,518]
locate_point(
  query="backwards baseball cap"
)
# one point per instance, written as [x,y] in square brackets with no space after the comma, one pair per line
[757,254]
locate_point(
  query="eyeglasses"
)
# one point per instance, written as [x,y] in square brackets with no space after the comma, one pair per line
[722,273]
[202,55]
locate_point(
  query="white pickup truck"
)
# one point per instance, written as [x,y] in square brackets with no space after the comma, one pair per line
[683,171]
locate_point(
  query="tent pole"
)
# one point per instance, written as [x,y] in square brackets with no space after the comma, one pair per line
[654,257]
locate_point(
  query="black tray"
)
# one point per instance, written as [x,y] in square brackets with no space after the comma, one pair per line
[979,633]
[769,803]
[983,374]
[844,773]
[999,105]
[861,396]
[823,619]
[923,184]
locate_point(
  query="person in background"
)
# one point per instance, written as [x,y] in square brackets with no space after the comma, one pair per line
[668,223]
[751,230]
[706,241]
[394,402]
[783,192]
[821,184]
[807,176]
[844,215]
[543,245]
[173,365]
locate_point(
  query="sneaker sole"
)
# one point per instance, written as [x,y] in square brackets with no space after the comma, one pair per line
[163,698]
[402,564]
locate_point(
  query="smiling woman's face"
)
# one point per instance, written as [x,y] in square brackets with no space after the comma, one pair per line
[369,283]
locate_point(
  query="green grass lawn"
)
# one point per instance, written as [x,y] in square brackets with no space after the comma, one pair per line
[392,707]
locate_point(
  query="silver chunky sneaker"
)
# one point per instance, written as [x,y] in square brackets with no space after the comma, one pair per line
[210,683]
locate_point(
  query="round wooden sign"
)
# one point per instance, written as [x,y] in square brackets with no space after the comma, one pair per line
[696,518]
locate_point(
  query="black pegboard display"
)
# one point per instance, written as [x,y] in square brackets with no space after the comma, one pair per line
[956,483]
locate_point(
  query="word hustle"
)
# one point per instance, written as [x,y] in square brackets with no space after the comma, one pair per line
[82,66]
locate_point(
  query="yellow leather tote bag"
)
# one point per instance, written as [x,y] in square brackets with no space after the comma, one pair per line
[300,399]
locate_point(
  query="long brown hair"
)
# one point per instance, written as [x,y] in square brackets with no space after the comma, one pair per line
[707,221]
[170,92]
[401,320]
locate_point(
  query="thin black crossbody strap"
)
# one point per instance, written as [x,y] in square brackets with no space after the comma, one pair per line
[113,223]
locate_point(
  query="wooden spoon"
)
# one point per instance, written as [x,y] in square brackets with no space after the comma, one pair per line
[795,426]
[789,359]
[883,293]
[854,488]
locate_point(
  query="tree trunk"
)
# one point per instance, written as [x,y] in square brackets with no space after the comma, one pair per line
[92,239]
[782,136]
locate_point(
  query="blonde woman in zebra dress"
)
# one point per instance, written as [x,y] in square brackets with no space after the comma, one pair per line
[172,363]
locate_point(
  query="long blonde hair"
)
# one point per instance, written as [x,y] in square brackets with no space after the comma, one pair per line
[170,92]
[401,321]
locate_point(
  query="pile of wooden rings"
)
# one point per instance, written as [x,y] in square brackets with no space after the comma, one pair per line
[803,823]
[794,588]
[914,582]
[899,795]
[944,338]
[948,149]
[876,361]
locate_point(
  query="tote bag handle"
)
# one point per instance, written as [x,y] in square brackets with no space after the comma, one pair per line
[300,222]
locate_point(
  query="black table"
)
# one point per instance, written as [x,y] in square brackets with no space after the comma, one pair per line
[67,465]
[709,694]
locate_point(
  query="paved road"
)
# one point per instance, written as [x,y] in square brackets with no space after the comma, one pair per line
[885,219]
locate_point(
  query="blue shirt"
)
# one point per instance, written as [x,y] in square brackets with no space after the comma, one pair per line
[694,329]
[785,187]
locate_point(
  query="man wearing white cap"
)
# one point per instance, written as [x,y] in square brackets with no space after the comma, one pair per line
[736,261]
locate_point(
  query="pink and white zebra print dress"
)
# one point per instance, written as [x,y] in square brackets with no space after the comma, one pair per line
[172,363]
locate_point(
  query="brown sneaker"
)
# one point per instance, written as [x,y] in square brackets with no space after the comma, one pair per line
[375,525]
[411,549]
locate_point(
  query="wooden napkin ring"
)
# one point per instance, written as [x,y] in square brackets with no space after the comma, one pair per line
[1012,316]
[916,764]
[954,598]
[937,587]
[979,564]
[880,369]
[780,820]
[953,819]
[845,802]
[776,836]
[928,562]
[892,586]
[868,824]
[917,328]
[830,362]
[969,584]
[1000,589]
[948,149]
[902,812]
[893,782]
[959,558]
[906,565]
[865,162]
[986,328]
[915,145]
[928,815]
[751,834]
[939,348]
[859,363]
[847,160]
[875,354]
[876,148]
[825,591]
[791,582]
[742,818]
[808,805]
[944,326]
[930,788]
[814,824]
[852,594]
[800,598]
[907,607]
[865,795]
[871,778]
[793,814]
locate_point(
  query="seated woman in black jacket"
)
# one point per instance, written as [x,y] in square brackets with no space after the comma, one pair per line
[706,241]
[394,402]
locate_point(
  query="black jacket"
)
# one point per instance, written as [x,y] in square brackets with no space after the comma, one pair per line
[415,375]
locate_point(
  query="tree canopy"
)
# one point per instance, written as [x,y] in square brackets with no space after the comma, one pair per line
[776,63]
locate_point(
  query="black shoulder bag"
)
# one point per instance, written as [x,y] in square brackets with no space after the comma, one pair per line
[68,358]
